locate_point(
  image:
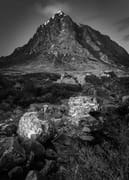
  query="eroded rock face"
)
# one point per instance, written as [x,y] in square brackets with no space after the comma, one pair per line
[80,107]
[11,153]
[31,126]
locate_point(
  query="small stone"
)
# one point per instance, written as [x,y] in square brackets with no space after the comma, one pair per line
[86,138]
[30,159]
[33,175]
[16,172]
[51,154]
[49,166]
[125,99]
[86,129]
[34,150]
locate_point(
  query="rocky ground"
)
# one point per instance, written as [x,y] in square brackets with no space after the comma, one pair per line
[55,129]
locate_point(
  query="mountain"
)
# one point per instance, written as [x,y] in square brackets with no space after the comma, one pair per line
[61,44]
[69,125]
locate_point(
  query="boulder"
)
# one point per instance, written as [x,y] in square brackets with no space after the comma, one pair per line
[86,137]
[11,153]
[80,107]
[35,147]
[38,149]
[32,126]
[79,124]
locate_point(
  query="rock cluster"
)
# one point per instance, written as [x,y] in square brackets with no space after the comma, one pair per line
[11,153]
[33,150]
[80,106]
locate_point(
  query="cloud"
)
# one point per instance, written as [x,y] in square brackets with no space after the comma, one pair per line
[51,8]
[123,24]
[126,38]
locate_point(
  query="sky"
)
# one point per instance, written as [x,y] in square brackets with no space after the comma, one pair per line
[19,19]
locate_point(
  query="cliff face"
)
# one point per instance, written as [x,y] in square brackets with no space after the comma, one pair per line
[62,44]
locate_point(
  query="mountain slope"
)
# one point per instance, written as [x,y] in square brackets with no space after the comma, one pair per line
[61,44]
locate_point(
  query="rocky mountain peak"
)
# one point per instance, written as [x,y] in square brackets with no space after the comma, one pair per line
[61,43]
[59,20]
[60,13]
[58,16]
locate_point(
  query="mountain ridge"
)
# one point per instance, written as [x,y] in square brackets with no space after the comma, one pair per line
[60,43]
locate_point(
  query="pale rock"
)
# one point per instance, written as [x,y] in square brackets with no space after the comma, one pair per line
[33,175]
[86,129]
[125,99]
[60,12]
[80,107]
[31,127]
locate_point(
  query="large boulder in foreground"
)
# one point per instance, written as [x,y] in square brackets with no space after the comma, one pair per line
[32,126]
[11,153]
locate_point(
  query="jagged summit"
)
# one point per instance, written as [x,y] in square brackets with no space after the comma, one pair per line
[62,44]
[58,15]
[60,12]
